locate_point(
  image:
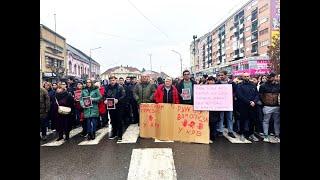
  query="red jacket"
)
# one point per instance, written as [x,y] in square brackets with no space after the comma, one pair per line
[101,105]
[158,95]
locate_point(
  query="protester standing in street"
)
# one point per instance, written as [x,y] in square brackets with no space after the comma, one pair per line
[44,109]
[248,97]
[79,109]
[269,93]
[214,116]
[228,114]
[64,121]
[116,91]
[91,111]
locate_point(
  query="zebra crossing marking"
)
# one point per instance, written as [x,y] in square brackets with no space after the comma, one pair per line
[59,143]
[234,140]
[130,135]
[99,135]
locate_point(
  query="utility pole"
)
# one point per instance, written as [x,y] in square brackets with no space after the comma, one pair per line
[180,59]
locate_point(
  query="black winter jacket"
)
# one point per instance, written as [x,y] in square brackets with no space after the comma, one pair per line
[247,92]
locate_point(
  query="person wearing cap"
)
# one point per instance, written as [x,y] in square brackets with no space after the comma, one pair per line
[185,88]
[248,97]
[166,93]
[269,93]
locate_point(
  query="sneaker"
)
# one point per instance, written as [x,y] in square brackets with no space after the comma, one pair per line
[242,138]
[266,139]
[112,137]
[220,134]
[44,138]
[231,135]
[276,139]
[210,141]
[254,138]
[271,134]
[120,139]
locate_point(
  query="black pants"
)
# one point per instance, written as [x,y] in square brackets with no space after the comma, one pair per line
[84,126]
[116,121]
[135,111]
[213,124]
[248,117]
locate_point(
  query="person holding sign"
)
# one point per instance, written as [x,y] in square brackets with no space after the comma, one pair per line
[228,114]
[117,93]
[214,116]
[248,97]
[185,88]
[166,93]
[90,97]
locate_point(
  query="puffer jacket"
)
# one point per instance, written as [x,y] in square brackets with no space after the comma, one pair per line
[269,94]
[144,92]
[95,95]
[44,103]
[160,95]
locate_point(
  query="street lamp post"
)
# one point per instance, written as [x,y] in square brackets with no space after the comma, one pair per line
[194,47]
[90,73]
[180,59]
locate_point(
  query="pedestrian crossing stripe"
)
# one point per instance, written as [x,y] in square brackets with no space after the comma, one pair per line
[234,140]
[152,163]
[62,141]
[130,135]
[99,135]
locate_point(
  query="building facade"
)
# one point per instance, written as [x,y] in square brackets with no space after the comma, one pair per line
[78,63]
[240,43]
[121,71]
[52,54]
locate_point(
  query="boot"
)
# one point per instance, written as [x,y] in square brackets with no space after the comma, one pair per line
[93,136]
[89,136]
[60,136]
[67,136]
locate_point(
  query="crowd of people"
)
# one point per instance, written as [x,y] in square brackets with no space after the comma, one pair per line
[69,104]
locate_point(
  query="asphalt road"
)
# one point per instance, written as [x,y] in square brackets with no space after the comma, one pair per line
[110,160]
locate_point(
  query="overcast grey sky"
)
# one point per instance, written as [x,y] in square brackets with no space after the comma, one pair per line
[129,30]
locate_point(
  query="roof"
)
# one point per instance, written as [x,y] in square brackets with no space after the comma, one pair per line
[79,53]
[45,27]
[130,69]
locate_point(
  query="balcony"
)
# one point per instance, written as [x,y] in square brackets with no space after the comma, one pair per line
[218,54]
[241,26]
[241,36]
[234,30]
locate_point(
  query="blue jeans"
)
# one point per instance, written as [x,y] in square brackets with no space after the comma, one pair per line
[92,124]
[228,115]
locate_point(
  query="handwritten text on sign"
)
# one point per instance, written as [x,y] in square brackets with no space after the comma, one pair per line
[176,122]
[215,97]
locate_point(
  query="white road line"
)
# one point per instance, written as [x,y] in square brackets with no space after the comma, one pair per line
[130,135]
[99,135]
[48,133]
[234,140]
[157,140]
[152,163]
[59,143]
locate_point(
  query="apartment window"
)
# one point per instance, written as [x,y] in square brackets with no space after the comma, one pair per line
[242,20]
[248,29]
[264,31]
[236,52]
[70,66]
[254,48]
[81,70]
[254,26]
[248,18]
[263,8]
[264,43]
[254,36]
[254,14]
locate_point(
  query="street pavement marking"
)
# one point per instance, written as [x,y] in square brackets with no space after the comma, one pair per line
[152,163]
[59,143]
[99,135]
[234,140]
[157,140]
[130,135]
[48,133]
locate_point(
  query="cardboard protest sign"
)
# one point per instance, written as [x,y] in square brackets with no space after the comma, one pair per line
[213,97]
[174,122]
